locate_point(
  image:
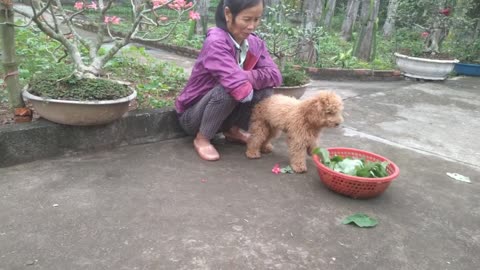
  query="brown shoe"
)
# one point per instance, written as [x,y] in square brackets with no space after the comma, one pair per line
[207,152]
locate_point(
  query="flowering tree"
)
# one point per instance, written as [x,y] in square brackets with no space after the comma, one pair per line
[59,25]
[437,30]
[435,19]
[285,40]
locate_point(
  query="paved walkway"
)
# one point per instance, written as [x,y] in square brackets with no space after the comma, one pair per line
[158,206]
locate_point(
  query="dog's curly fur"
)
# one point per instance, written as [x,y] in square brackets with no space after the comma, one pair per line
[301,120]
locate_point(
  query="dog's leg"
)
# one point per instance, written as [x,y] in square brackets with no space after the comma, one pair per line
[298,154]
[267,146]
[258,134]
[311,145]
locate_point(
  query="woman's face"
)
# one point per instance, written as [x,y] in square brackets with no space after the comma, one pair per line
[245,23]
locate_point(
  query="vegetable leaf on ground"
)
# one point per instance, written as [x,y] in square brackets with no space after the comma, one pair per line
[361,220]
[286,169]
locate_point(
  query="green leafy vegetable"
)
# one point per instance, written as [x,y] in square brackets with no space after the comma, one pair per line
[352,166]
[286,169]
[348,166]
[323,153]
[361,220]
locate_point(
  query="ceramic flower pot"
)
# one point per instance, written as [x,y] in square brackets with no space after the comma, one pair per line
[79,113]
[424,68]
[292,91]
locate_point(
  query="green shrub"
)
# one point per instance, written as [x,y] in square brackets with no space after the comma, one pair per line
[157,82]
[294,77]
[59,83]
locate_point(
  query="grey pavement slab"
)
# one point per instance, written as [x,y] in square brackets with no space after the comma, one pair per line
[158,206]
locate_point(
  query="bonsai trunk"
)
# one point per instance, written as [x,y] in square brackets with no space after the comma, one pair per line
[313,14]
[281,61]
[435,39]
[202,8]
[9,63]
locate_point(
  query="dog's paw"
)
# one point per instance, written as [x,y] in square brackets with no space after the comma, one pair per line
[299,168]
[253,154]
[267,148]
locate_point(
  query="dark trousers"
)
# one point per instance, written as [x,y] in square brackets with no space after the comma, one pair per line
[217,111]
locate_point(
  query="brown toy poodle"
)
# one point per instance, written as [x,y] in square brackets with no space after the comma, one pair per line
[301,120]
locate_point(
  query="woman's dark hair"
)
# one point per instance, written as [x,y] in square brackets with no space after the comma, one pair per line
[235,6]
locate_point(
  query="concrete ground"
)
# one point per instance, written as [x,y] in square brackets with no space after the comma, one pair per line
[158,206]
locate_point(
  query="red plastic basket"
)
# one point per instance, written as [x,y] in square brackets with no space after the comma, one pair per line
[354,186]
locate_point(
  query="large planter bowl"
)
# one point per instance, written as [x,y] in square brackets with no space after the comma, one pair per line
[467,69]
[424,68]
[79,113]
[292,91]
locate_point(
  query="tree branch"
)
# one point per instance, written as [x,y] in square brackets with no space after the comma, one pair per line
[101,28]
[72,49]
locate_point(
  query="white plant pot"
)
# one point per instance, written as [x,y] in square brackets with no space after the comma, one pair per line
[79,113]
[424,68]
[292,91]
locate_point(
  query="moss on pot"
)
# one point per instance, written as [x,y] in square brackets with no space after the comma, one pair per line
[61,84]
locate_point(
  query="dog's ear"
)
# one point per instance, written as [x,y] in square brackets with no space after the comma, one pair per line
[331,103]
[313,110]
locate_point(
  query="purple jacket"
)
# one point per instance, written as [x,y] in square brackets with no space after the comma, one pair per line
[216,64]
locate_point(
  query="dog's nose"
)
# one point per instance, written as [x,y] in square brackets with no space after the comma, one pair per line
[337,124]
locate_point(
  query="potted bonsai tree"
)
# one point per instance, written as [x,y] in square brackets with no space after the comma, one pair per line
[428,61]
[282,40]
[77,93]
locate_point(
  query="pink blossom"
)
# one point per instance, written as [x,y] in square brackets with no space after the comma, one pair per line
[93,5]
[113,20]
[78,5]
[425,34]
[157,3]
[163,18]
[194,15]
[174,6]
[180,4]
[445,11]
[276,169]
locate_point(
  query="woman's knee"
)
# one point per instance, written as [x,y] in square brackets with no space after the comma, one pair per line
[219,95]
[262,94]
